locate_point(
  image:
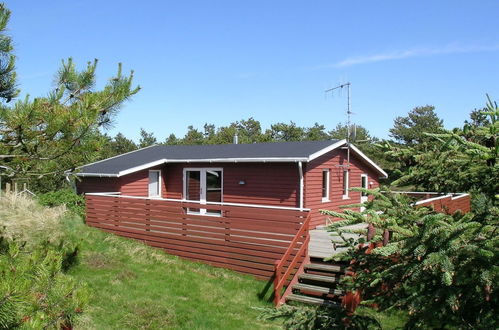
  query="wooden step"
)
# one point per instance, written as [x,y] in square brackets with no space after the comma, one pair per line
[317,289]
[319,278]
[311,300]
[325,268]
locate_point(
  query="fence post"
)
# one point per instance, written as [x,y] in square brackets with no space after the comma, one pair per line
[386,237]
[277,278]
[183,212]
[370,232]
[227,226]
[148,214]
[116,210]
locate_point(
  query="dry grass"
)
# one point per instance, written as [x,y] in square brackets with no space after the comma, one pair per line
[23,218]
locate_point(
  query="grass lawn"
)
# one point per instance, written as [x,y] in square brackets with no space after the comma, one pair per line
[137,287]
[134,286]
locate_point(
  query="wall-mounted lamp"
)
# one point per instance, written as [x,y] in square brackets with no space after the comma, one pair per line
[242,182]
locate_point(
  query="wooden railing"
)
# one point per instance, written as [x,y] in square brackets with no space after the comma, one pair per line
[287,270]
[244,238]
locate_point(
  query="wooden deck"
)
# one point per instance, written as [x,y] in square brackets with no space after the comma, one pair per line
[322,242]
[248,238]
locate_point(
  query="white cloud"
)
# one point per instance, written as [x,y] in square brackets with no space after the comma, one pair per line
[415,52]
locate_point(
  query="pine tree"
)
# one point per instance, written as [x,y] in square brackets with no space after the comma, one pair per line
[8,88]
[48,135]
[146,139]
[443,269]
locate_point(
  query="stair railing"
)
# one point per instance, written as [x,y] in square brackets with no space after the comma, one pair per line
[303,237]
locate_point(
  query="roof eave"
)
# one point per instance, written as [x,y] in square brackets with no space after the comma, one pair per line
[189,161]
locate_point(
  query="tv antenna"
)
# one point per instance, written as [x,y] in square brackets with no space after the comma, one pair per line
[348,114]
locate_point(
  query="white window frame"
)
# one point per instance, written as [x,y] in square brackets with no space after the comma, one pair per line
[346,184]
[149,182]
[367,182]
[363,198]
[328,184]
[202,181]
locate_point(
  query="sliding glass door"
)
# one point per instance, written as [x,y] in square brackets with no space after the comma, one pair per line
[203,185]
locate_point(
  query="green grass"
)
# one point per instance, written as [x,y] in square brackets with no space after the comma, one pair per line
[137,287]
[134,286]
[388,320]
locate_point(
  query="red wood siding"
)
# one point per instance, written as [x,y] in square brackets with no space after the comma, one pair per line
[134,184]
[313,183]
[137,184]
[449,204]
[94,184]
[268,183]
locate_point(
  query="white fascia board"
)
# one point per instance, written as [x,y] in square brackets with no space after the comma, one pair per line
[354,148]
[326,150]
[241,160]
[98,175]
[432,199]
[126,153]
[141,167]
[211,160]
[369,160]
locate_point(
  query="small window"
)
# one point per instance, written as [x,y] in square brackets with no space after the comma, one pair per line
[154,183]
[325,185]
[345,183]
[363,184]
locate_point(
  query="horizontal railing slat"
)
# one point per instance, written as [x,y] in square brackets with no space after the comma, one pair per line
[245,239]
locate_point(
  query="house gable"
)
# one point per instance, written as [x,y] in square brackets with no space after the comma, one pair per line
[334,162]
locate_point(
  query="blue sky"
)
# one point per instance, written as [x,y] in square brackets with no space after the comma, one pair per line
[222,61]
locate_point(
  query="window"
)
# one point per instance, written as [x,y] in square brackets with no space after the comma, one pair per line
[154,183]
[363,184]
[345,183]
[203,185]
[325,185]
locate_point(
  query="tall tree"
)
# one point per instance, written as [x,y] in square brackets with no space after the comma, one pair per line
[441,268]
[249,130]
[146,138]
[121,144]
[45,136]
[193,136]
[48,135]
[362,134]
[8,88]
[464,159]
[410,130]
[172,140]
[316,133]
[285,132]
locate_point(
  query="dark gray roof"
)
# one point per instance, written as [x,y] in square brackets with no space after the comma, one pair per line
[251,152]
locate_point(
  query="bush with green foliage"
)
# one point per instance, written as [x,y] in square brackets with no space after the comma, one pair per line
[462,160]
[74,202]
[319,318]
[443,269]
[35,293]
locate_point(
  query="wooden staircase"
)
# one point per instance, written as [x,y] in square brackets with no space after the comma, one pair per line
[317,285]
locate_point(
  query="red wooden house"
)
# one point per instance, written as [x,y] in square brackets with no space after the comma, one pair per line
[246,207]
[310,175]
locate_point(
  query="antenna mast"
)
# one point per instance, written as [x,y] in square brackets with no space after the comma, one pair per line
[348,113]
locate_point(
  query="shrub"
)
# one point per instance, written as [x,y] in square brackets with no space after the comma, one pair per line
[319,318]
[441,268]
[23,218]
[34,291]
[74,202]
